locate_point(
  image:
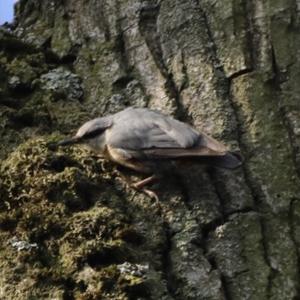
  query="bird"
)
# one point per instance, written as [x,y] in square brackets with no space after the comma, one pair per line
[150,142]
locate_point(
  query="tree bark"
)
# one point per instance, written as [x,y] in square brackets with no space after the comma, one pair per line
[230,69]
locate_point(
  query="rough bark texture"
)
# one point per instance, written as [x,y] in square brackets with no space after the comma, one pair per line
[71,230]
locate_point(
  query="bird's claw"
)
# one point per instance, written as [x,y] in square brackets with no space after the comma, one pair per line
[148,192]
[140,185]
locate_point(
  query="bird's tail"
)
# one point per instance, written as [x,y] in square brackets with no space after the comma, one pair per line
[231,160]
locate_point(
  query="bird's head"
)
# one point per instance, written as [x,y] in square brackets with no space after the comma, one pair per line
[88,132]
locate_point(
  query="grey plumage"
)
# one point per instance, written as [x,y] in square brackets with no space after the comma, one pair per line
[138,138]
[143,129]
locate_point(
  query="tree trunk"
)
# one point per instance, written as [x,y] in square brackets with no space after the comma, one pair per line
[71,229]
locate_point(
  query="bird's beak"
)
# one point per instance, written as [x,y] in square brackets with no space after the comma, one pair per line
[70,141]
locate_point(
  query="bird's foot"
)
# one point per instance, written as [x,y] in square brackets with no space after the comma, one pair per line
[140,185]
[153,195]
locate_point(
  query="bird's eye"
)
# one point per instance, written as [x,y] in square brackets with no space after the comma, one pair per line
[93,133]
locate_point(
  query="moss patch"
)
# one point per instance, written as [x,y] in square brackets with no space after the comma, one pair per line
[63,202]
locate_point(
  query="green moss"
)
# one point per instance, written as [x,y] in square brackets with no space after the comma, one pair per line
[60,41]
[23,70]
[62,200]
[12,44]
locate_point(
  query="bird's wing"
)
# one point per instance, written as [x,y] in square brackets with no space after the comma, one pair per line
[157,135]
[145,129]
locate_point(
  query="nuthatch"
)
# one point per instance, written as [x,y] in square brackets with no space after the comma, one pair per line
[145,140]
